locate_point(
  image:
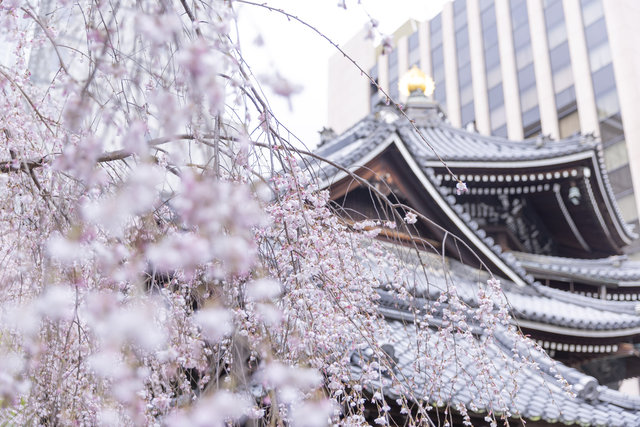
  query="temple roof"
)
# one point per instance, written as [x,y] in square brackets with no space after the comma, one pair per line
[455,145]
[538,396]
[538,307]
[495,166]
[542,170]
[615,271]
[535,307]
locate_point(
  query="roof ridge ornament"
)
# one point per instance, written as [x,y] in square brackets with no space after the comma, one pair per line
[542,139]
[417,87]
[416,80]
[590,136]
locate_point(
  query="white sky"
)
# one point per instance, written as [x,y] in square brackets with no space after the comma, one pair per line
[303,57]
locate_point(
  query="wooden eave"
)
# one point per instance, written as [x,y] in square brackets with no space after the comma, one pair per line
[394,161]
[588,230]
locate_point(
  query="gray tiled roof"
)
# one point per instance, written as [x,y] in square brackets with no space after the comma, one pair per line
[455,144]
[538,394]
[451,143]
[616,270]
[536,303]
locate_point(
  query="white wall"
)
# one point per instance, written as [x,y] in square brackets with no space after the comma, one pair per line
[348,89]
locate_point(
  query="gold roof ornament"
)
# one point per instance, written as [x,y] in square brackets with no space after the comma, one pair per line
[416,79]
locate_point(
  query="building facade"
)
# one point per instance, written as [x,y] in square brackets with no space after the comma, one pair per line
[518,69]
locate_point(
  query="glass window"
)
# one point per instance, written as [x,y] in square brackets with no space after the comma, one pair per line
[436,39]
[526,77]
[438,74]
[463,55]
[414,41]
[414,58]
[492,57]
[467,113]
[373,89]
[519,14]
[464,75]
[531,116]
[437,56]
[611,130]
[529,98]
[607,104]
[501,131]
[394,91]
[616,155]
[603,80]
[560,56]
[565,97]
[562,79]
[393,58]
[556,35]
[620,179]
[488,17]
[440,94]
[599,57]
[484,4]
[462,37]
[496,97]
[466,94]
[521,36]
[436,24]
[524,56]
[393,73]
[553,13]
[596,33]
[460,21]
[498,117]
[375,98]
[459,6]
[591,12]
[373,72]
[494,76]
[490,35]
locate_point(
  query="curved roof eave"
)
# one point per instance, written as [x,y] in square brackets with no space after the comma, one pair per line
[488,251]
[573,150]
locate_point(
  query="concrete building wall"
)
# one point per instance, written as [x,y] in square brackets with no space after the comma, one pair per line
[585,97]
[508,66]
[481,101]
[539,45]
[451,65]
[348,89]
[622,17]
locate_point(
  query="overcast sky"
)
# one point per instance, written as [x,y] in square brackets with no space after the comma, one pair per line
[302,57]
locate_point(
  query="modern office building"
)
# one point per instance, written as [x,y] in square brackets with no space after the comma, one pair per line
[541,69]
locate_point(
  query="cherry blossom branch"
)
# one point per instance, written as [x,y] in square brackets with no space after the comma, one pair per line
[43,119]
[364,73]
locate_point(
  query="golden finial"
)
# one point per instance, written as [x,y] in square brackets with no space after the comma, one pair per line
[416,79]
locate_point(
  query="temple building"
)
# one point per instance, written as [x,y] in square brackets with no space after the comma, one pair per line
[516,69]
[540,214]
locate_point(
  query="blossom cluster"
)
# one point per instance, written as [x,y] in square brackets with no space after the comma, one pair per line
[167,260]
